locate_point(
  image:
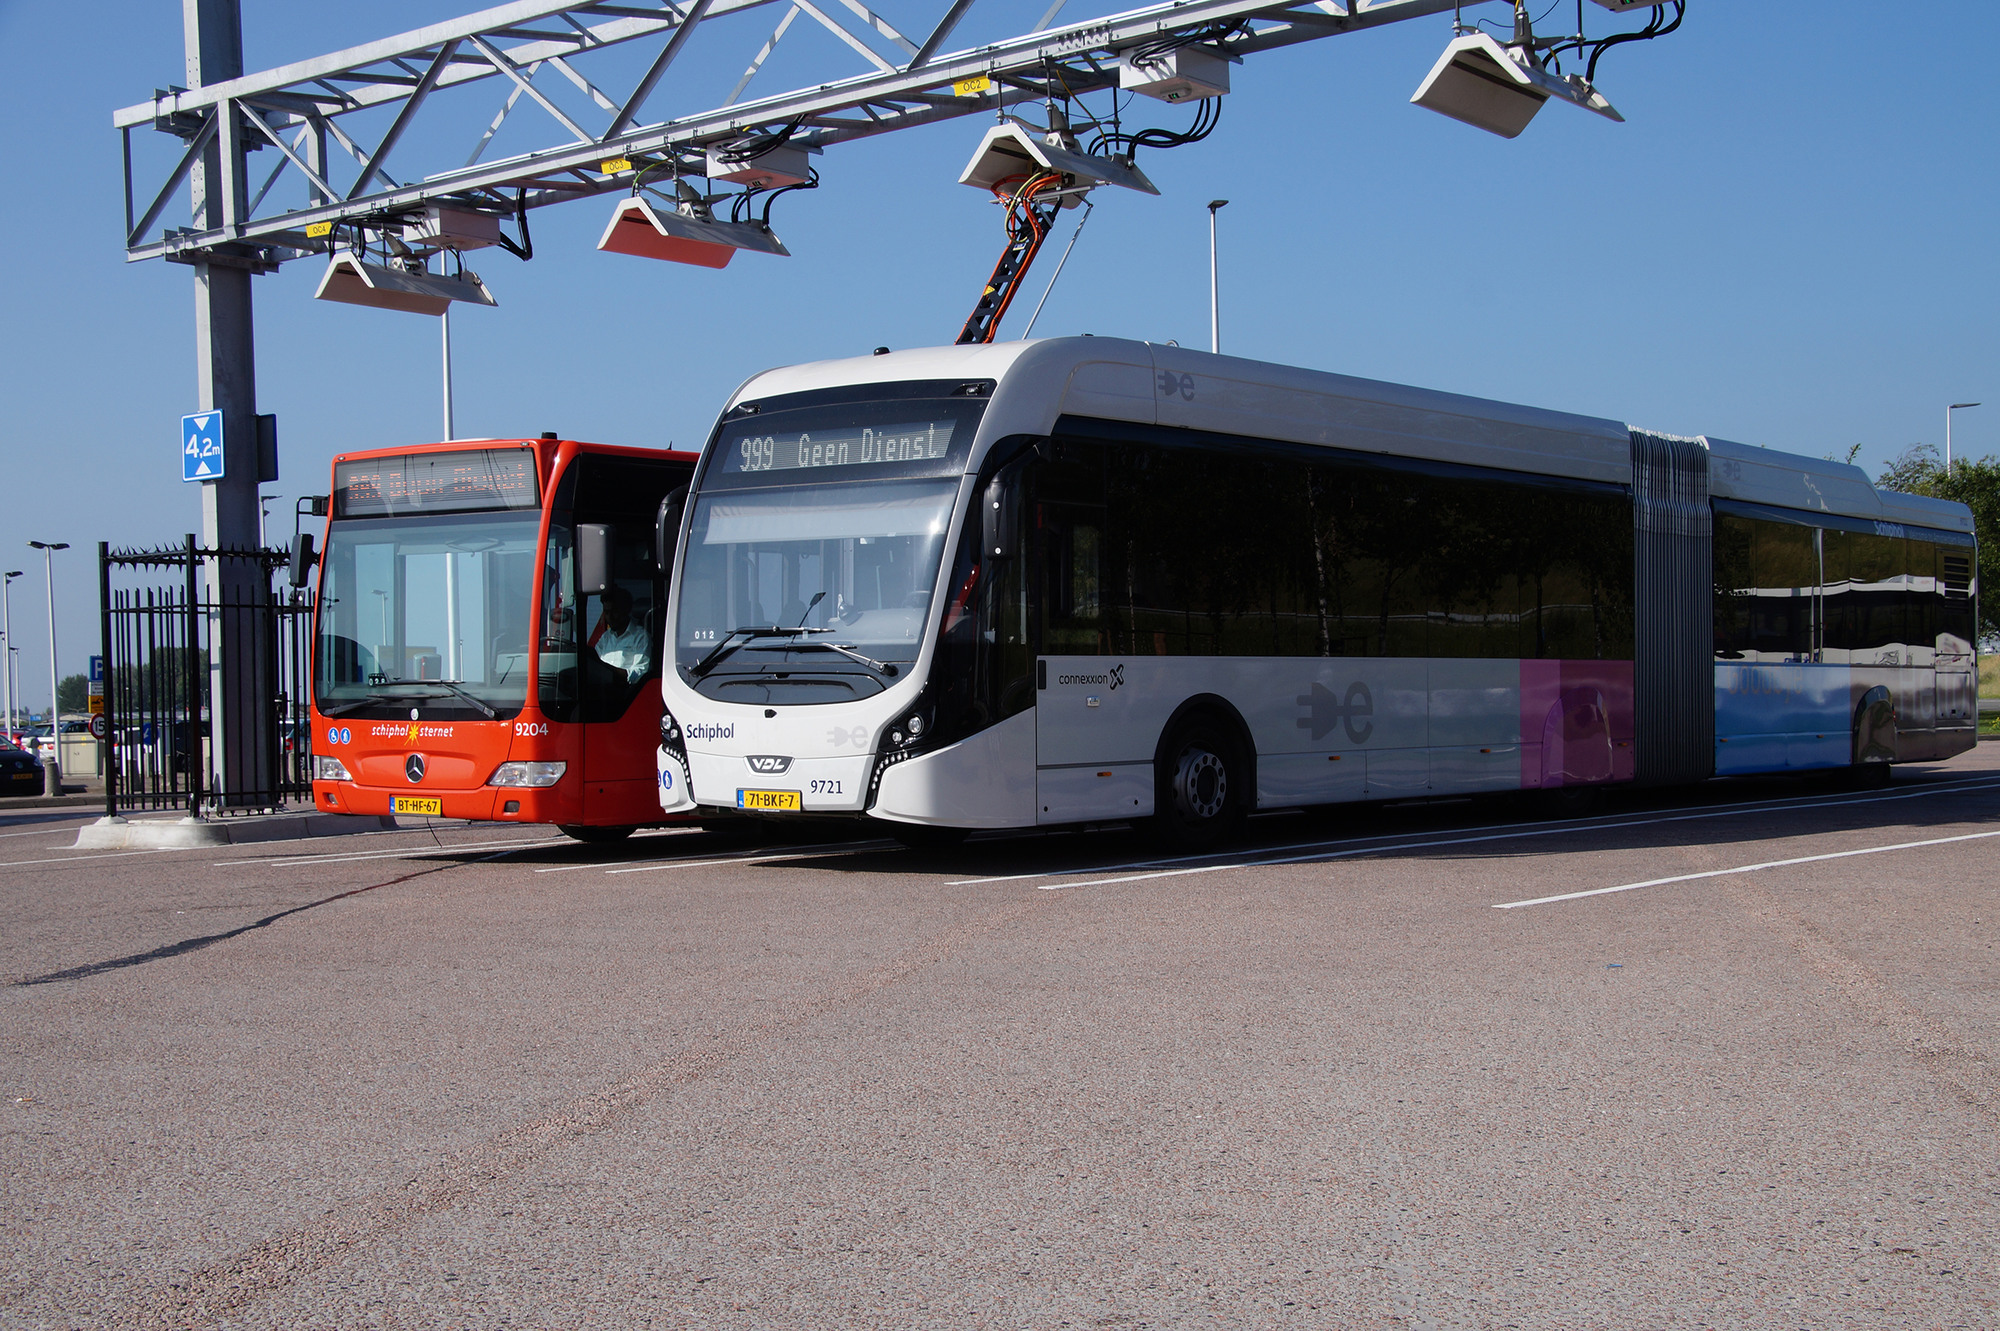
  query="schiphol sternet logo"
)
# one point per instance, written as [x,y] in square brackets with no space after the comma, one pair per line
[1324,709]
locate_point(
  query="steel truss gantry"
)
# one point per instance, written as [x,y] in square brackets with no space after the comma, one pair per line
[359,132]
[311,112]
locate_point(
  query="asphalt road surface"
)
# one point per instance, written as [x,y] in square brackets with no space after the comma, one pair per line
[1720,1058]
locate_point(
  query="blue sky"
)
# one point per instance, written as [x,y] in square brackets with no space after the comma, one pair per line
[1789,243]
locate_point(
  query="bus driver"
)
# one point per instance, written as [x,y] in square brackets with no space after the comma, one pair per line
[620,641]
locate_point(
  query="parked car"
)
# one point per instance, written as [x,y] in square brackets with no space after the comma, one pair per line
[20,771]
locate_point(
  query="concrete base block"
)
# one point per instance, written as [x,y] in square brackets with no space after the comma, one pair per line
[190,833]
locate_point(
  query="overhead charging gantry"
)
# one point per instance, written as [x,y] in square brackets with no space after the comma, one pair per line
[354,164]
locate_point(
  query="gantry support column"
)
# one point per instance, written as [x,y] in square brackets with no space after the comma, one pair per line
[241,685]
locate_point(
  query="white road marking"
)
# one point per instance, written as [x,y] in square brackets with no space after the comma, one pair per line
[413,852]
[1745,868]
[47,831]
[78,859]
[793,853]
[1498,832]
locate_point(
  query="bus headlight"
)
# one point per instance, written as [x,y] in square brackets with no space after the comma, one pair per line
[910,729]
[535,775]
[672,742]
[329,769]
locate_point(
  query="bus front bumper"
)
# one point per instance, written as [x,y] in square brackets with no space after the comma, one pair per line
[512,804]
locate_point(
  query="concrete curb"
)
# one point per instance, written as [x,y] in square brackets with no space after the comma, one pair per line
[189,833]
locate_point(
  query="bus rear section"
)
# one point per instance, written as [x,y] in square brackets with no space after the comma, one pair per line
[488,633]
[1156,583]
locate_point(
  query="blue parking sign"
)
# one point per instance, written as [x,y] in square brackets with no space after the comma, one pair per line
[201,446]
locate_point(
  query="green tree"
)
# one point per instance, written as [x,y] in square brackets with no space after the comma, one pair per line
[1918,470]
[73,694]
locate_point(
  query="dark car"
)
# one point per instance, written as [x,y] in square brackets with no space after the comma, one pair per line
[20,771]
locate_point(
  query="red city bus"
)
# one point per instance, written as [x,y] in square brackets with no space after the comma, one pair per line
[487,640]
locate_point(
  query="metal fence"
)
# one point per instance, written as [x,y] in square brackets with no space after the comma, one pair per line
[161,639]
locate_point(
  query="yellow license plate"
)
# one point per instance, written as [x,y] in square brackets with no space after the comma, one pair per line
[769,800]
[416,804]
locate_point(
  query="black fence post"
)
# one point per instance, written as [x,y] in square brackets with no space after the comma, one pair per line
[110,740]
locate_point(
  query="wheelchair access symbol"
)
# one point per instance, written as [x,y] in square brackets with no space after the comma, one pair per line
[201,446]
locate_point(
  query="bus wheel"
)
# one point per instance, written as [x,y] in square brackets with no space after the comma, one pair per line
[922,836]
[1198,794]
[1868,775]
[594,836]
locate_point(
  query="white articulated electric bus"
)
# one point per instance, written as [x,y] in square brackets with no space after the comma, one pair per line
[1087,579]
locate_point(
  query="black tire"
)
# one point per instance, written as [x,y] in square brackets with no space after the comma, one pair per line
[922,836]
[595,836]
[1200,785]
[1561,802]
[1868,776]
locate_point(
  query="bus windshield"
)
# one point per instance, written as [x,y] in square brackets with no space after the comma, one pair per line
[856,560]
[429,610]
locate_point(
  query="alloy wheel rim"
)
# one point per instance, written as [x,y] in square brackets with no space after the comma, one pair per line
[1201,785]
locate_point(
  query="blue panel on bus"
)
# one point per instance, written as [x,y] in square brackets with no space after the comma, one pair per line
[1771,718]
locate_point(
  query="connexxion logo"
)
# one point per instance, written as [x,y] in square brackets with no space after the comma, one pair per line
[1114,677]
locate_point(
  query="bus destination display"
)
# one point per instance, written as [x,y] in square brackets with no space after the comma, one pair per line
[485,478]
[863,446]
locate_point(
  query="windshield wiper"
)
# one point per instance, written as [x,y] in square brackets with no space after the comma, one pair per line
[748,635]
[848,651]
[377,698]
[342,709]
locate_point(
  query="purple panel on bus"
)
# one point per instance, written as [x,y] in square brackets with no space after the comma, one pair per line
[1576,722]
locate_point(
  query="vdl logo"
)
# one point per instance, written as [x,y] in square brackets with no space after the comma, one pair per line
[1325,710]
[769,764]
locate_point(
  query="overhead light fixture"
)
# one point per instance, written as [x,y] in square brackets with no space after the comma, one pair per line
[453,228]
[1013,150]
[1500,88]
[774,168]
[356,282]
[1184,74]
[637,227]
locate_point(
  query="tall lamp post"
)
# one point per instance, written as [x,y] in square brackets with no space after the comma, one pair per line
[1956,406]
[52,764]
[1214,289]
[7,633]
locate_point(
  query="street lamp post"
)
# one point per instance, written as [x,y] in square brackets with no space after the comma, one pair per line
[1214,289]
[52,764]
[1956,406]
[7,635]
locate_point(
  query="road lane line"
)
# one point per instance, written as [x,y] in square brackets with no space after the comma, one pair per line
[1970,785]
[1744,868]
[114,855]
[334,857]
[799,853]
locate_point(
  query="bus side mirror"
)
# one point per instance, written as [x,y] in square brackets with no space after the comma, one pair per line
[303,558]
[593,558]
[999,530]
[667,532]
